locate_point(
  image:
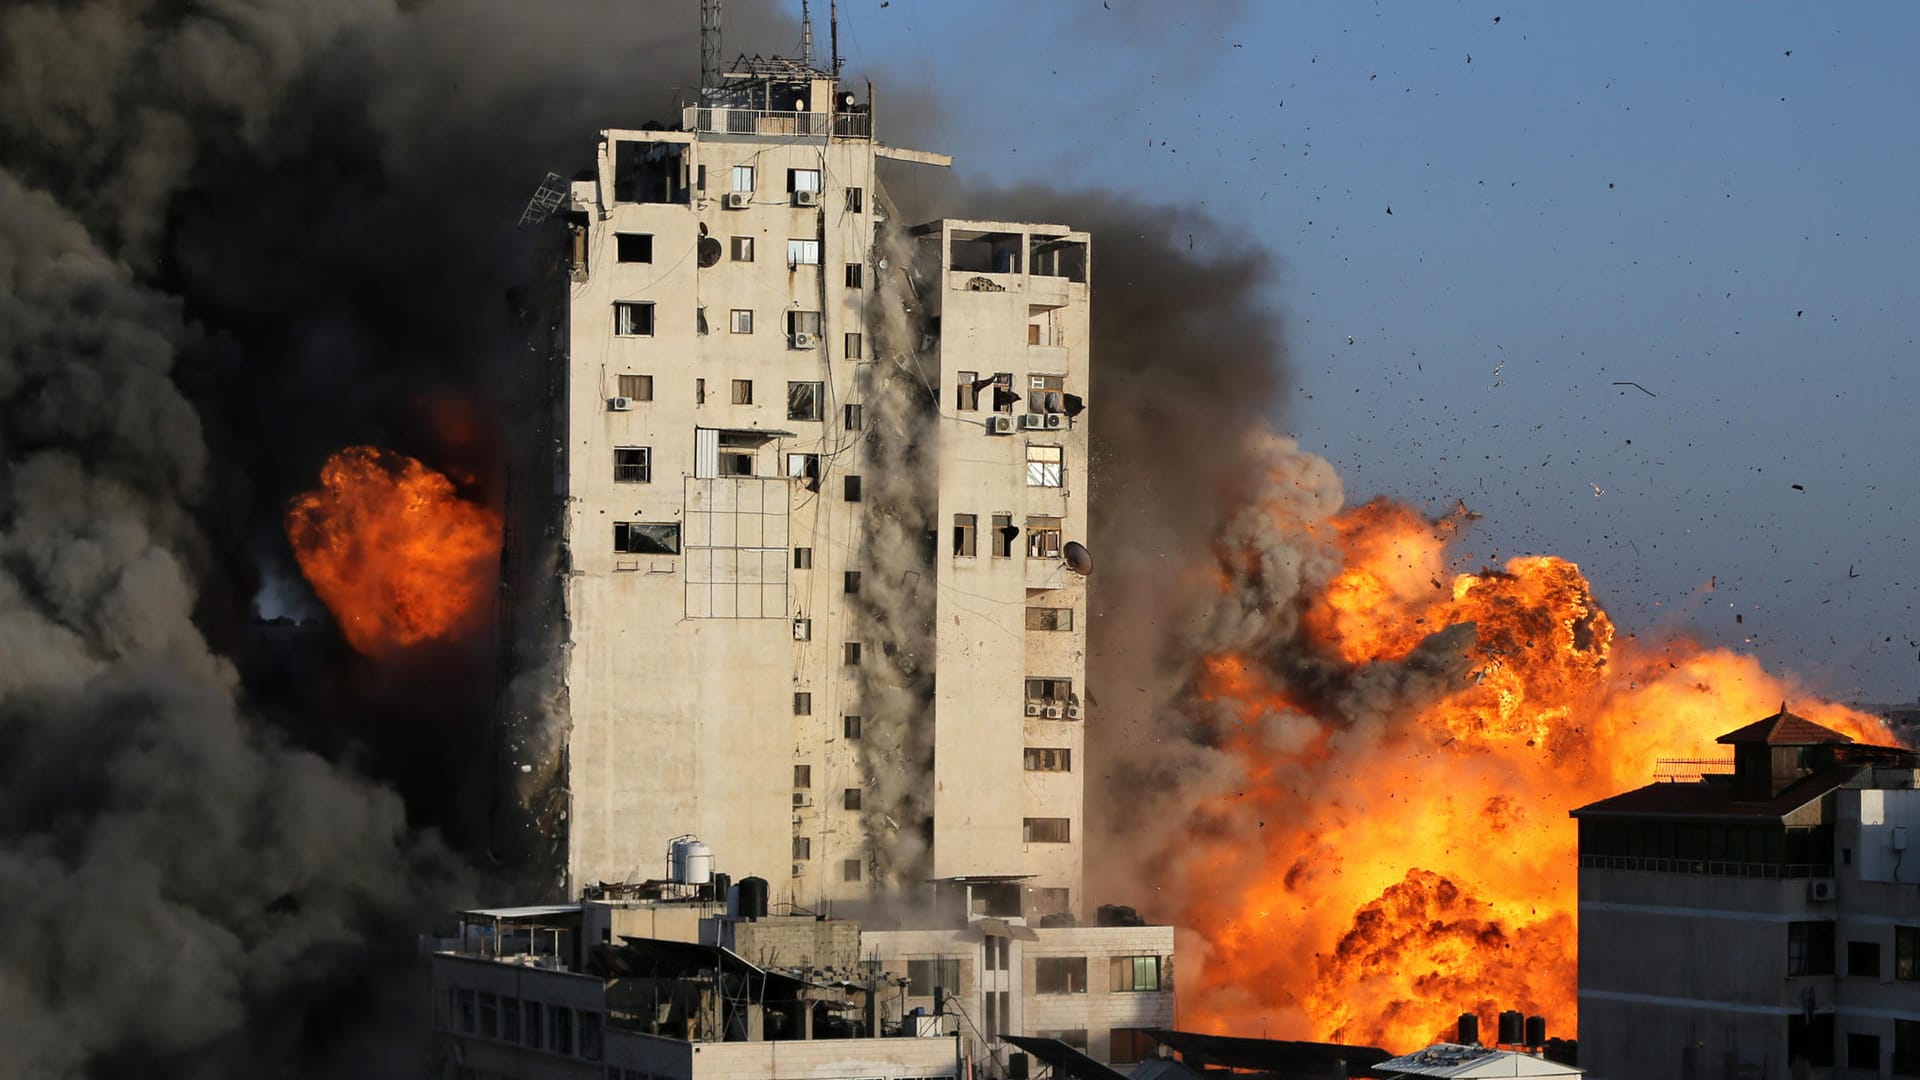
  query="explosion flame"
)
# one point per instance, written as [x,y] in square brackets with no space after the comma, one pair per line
[1393,848]
[393,551]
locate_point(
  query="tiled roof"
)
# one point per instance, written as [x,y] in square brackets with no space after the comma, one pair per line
[1784,729]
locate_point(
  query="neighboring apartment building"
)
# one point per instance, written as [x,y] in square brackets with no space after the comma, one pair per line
[729,302]
[1757,925]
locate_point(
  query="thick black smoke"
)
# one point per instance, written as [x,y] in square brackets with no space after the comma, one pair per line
[233,238]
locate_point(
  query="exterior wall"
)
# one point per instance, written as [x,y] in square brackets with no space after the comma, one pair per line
[796,941]
[821,1059]
[603,921]
[485,1057]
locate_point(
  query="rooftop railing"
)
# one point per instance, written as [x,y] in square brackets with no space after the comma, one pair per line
[1708,867]
[725,120]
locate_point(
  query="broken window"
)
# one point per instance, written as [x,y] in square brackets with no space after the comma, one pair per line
[803,253]
[805,468]
[632,464]
[1058,256]
[632,318]
[1050,691]
[803,180]
[1043,538]
[1043,393]
[850,727]
[851,488]
[743,178]
[803,558]
[1049,618]
[850,582]
[850,798]
[646,538]
[636,387]
[850,869]
[1133,974]
[743,391]
[979,252]
[1125,1044]
[740,321]
[803,400]
[1004,396]
[1053,830]
[803,776]
[699,391]
[1810,948]
[855,347]
[1046,902]
[803,322]
[967,395]
[743,249]
[649,172]
[1045,466]
[850,653]
[1058,974]
[1003,534]
[802,701]
[851,418]
[633,247]
[1049,759]
[855,274]
[802,848]
[855,200]
[924,975]
[964,528]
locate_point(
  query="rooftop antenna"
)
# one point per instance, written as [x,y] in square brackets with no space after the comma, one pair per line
[806,33]
[709,46]
[833,34]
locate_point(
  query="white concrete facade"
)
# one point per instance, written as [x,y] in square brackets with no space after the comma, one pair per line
[719,318]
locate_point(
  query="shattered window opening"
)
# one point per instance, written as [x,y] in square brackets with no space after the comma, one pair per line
[646,538]
[804,400]
[633,465]
[633,318]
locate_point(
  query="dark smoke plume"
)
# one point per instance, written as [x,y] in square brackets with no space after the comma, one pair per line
[234,238]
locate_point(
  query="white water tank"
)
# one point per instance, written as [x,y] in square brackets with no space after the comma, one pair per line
[689,862]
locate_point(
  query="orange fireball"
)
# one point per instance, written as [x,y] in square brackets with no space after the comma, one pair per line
[393,551]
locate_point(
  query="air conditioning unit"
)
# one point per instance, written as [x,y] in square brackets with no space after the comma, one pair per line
[1055,712]
[802,341]
[806,198]
[1821,889]
[1034,708]
[738,200]
[620,404]
[1056,421]
[1075,712]
[801,800]
[1032,422]
[799,869]
[1000,424]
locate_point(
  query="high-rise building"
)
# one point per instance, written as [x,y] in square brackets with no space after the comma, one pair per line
[1761,922]
[821,479]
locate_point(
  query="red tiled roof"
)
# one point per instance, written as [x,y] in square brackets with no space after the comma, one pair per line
[1784,729]
[1716,799]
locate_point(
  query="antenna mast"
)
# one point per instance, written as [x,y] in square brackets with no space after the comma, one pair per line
[833,34]
[806,34]
[709,46]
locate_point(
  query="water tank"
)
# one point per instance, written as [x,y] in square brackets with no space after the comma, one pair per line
[1512,1028]
[753,899]
[721,883]
[1469,1030]
[1536,1031]
[689,862]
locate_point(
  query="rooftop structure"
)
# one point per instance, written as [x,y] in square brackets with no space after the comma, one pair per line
[1455,1061]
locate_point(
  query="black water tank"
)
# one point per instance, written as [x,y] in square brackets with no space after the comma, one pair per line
[753,900]
[1016,1067]
[1469,1029]
[1536,1031]
[721,884]
[1512,1028]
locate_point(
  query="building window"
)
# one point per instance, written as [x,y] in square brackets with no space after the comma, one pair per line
[1043,393]
[633,247]
[802,701]
[1060,975]
[803,558]
[924,975]
[854,347]
[562,1030]
[1906,1048]
[632,465]
[1049,759]
[1043,538]
[856,275]
[535,1026]
[510,1020]
[803,253]
[699,391]
[466,1009]
[850,727]
[743,391]
[803,400]
[850,653]
[850,870]
[966,394]
[1074,1037]
[1048,901]
[850,582]
[850,798]
[1134,974]
[590,1036]
[1810,1041]
[1045,466]
[1053,691]
[802,848]
[1126,1045]
[740,321]
[1003,395]
[443,1009]
[633,318]
[855,200]
[851,487]
[743,178]
[1049,618]
[1810,948]
[735,461]
[804,468]
[1906,953]
[803,179]
[803,322]
[1047,830]
[646,538]
[1863,959]
[964,528]
[743,249]
[700,321]
[802,631]
[1003,534]
[1863,1052]
[636,387]
[852,417]
[803,776]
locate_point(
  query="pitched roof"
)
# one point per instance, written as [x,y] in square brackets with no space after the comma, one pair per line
[1784,729]
[1713,800]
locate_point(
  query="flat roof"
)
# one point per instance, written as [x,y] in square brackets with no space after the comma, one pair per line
[535,911]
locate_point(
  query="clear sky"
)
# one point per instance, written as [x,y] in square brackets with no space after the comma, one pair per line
[1714,201]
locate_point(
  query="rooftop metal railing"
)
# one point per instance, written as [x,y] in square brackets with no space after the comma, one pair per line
[1708,867]
[726,120]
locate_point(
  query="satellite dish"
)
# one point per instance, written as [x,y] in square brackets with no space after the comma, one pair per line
[1079,559]
[710,251]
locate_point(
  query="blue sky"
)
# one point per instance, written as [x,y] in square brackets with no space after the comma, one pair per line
[1716,201]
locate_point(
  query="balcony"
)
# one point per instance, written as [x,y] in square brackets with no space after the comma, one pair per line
[731,121]
[1708,867]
